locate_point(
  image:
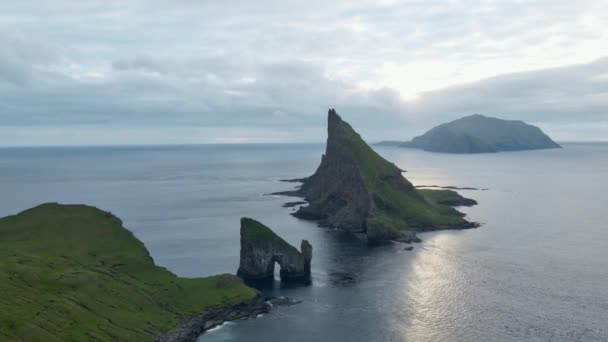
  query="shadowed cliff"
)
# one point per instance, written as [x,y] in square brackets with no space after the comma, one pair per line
[261,248]
[356,190]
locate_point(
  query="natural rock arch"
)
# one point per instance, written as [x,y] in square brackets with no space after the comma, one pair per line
[261,248]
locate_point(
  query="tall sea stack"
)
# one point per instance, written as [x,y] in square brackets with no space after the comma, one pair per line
[356,190]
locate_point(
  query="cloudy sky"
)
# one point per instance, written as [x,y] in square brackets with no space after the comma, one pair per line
[197,71]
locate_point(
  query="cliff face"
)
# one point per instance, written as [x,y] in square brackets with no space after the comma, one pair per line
[481,134]
[261,248]
[357,190]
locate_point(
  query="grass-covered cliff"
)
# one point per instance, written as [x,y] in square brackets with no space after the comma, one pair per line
[73,273]
[355,189]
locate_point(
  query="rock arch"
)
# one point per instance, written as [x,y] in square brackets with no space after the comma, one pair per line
[261,248]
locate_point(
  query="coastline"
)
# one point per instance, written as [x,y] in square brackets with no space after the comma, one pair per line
[190,329]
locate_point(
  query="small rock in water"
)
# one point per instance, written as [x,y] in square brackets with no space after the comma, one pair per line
[293,204]
[283,301]
[342,278]
[408,248]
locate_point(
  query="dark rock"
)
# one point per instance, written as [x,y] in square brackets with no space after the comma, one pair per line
[293,204]
[295,180]
[261,248]
[283,301]
[190,329]
[292,193]
[342,278]
[409,248]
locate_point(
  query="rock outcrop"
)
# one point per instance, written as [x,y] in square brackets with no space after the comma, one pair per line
[482,134]
[356,190]
[447,197]
[190,329]
[261,248]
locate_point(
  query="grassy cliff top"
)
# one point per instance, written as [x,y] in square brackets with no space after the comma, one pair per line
[400,205]
[72,272]
[253,230]
[372,165]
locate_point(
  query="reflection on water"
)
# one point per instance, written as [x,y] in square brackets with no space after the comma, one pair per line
[434,288]
[535,271]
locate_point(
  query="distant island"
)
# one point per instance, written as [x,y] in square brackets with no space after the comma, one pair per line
[479,134]
[356,190]
[74,273]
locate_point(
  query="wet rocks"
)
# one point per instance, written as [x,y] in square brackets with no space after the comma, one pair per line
[190,329]
[283,301]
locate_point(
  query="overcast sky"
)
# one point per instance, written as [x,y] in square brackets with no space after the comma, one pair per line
[196,71]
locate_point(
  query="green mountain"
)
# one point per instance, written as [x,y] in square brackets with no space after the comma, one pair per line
[73,273]
[357,190]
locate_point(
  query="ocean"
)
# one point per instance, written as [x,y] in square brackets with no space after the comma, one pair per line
[536,270]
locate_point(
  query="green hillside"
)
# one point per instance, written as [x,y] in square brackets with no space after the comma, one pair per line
[73,273]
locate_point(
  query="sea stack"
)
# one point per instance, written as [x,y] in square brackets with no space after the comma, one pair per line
[356,190]
[261,248]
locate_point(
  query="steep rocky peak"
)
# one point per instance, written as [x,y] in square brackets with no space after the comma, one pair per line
[335,125]
[356,189]
[342,137]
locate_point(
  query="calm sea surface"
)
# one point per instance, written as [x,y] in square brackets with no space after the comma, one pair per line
[537,270]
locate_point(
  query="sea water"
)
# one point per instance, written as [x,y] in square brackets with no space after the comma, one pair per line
[536,270]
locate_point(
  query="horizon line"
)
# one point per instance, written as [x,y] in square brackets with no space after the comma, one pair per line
[236,144]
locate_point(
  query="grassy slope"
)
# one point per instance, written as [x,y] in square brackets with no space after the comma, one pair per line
[255,230]
[401,201]
[440,195]
[72,272]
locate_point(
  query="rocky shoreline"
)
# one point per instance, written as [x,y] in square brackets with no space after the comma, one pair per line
[191,328]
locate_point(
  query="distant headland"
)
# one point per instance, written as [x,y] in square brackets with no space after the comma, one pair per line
[479,134]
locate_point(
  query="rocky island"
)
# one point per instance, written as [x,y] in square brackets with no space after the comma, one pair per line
[480,134]
[356,190]
[74,273]
[261,248]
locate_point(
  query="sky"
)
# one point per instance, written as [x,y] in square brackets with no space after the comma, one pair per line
[195,71]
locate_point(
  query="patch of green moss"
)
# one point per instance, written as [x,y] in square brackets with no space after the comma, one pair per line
[73,273]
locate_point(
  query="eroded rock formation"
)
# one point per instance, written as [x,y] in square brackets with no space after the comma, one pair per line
[356,190]
[261,248]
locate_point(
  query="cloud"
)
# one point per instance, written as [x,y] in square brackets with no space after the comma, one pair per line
[567,95]
[250,70]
